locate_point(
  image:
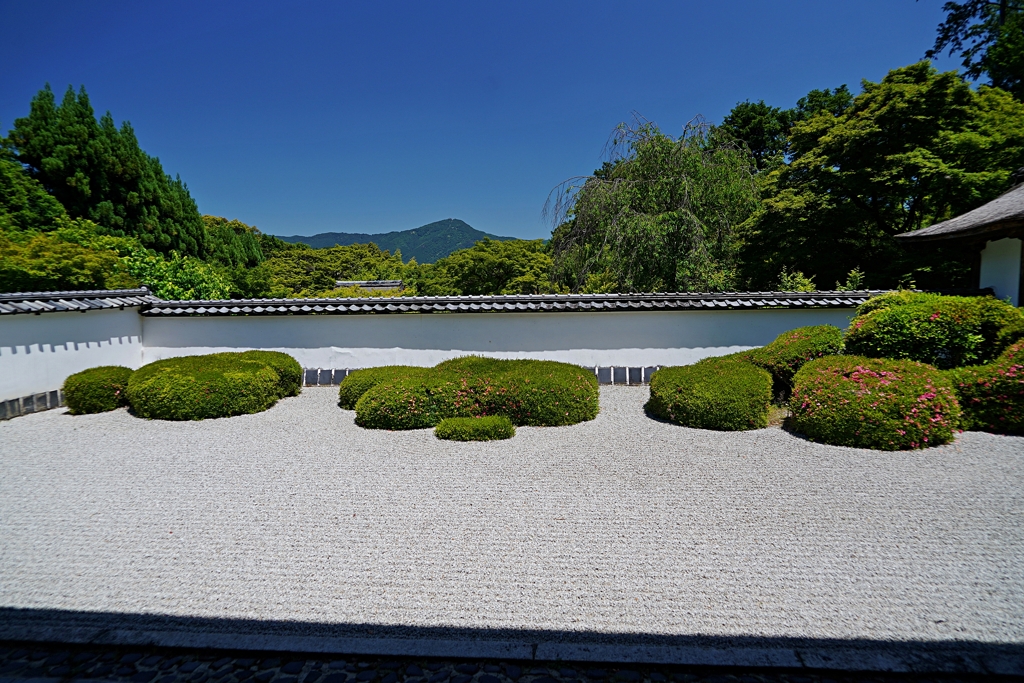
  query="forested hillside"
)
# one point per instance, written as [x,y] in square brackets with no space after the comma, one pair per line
[426,244]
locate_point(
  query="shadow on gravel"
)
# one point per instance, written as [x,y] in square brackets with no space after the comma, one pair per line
[102,628]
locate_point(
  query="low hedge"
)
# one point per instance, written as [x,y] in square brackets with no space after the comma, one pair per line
[488,428]
[992,396]
[528,392]
[1010,335]
[944,331]
[97,390]
[790,350]
[873,403]
[214,385]
[725,394]
[359,382]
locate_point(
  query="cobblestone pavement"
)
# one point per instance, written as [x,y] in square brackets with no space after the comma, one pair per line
[23,662]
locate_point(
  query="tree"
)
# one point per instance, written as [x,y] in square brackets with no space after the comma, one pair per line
[765,129]
[24,203]
[660,216]
[490,267]
[302,271]
[97,171]
[918,147]
[989,35]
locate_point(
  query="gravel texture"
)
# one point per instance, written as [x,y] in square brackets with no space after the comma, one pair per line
[621,525]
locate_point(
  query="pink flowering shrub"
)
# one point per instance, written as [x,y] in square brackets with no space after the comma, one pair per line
[790,350]
[992,396]
[944,331]
[97,390]
[887,405]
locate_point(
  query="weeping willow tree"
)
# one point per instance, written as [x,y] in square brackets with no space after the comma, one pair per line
[659,216]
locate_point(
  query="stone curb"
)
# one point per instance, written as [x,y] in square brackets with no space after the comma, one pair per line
[951,657]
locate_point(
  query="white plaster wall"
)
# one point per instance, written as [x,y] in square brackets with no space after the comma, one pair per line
[37,352]
[1000,268]
[358,341]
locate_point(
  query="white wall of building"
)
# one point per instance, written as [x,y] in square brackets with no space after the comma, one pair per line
[635,338]
[37,352]
[1000,268]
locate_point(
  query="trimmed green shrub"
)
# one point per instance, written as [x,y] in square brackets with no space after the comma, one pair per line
[790,350]
[488,428]
[944,331]
[97,390]
[360,381]
[726,394]
[528,392]
[992,396]
[288,370]
[200,387]
[1010,335]
[863,402]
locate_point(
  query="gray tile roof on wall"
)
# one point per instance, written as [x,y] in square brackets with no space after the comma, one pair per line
[86,300]
[513,303]
[1004,214]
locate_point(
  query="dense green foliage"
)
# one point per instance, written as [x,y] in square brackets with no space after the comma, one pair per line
[871,403]
[791,350]
[989,37]
[97,171]
[528,392]
[24,203]
[489,267]
[360,381]
[661,216]
[916,148]
[97,390]
[944,331]
[214,385]
[487,428]
[765,129]
[289,372]
[426,244]
[724,394]
[992,396]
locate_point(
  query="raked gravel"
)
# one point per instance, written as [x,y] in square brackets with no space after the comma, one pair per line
[620,525]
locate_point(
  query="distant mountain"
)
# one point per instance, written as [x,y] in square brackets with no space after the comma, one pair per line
[427,243]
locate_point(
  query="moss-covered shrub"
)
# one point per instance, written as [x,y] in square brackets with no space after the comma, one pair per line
[992,396]
[726,394]
[289,372]
[790,350]
[1010,335]
[200,387]
[528,392]
[488,428]
[944,331]
[359,382]
[97,390]
[873,403]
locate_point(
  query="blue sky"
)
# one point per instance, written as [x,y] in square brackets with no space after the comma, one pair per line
[306,117]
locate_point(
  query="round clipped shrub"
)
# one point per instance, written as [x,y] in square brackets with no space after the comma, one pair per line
[488,428]
[863,402]
[790,350]
[359,382]
[725,394]
[97,390]
[944,331]
[992,396]
[200,387]
[289,372]
[528,392]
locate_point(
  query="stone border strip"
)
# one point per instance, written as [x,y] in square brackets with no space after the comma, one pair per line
[793,654]
[612,375]
[34,403]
